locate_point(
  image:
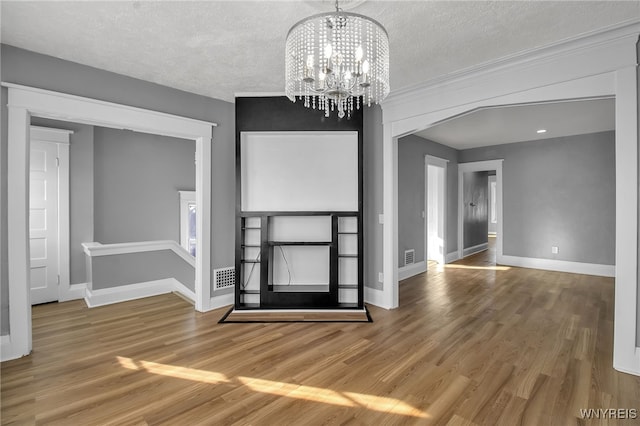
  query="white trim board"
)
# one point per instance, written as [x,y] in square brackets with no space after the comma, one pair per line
[7,351]
[560,266]
[24,102]
[375,297]
[409,271]
[222,300]
[451,257]
[475,249]
[600,64]
[123,293]
[96,249]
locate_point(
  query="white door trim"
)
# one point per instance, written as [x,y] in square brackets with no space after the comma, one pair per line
[430,160]
[480,166]
[600,64]
[61,138]
[23,102]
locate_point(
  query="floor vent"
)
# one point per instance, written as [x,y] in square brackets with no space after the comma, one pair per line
[409,257]
[224,278]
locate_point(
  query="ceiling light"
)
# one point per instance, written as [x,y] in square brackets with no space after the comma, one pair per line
[337,60]
[541,131]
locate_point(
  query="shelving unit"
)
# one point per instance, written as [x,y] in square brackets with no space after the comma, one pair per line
[299,259]
[262,255]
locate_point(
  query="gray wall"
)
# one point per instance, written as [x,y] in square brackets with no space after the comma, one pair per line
[122,269]
[137,177]
[411,194]
[372,176]
[80,192]
[33,69]
[558,192]
[476,202]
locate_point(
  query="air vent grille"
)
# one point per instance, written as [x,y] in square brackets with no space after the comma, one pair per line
[224,278]
[409,257]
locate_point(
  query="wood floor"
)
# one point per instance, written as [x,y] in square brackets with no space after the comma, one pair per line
[471,344]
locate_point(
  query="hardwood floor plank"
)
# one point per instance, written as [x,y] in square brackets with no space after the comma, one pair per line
[470,345]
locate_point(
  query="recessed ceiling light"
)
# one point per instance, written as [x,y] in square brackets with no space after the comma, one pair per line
[542,131]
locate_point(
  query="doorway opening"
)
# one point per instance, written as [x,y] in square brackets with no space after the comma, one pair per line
[435,209]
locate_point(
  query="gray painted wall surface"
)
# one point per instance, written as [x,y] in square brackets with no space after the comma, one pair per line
[476,205]
[411,194]
[491,226]
[372,159]
[558,192]
[122,269]
[137,177]
[80,192]
[32,69]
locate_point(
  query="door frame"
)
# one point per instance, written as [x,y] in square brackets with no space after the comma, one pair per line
[480,166]
[24,102]
[601,64]
[430,160]
[61,138]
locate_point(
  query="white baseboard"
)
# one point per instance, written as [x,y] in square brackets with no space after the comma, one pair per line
[182,289]
[375,297]
[411,270]
[559,265]
[221,301]
[6,348]
[123,293]
[451,257]
[475,249]
[75,292]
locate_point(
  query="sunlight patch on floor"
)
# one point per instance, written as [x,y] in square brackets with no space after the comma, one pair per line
[289,390]
[174,371]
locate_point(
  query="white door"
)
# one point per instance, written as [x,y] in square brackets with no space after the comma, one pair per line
[43,222]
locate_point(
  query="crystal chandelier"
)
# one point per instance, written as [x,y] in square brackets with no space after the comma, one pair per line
[336,61]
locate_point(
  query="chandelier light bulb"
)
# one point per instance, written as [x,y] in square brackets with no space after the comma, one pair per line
[359,53]
[328,49]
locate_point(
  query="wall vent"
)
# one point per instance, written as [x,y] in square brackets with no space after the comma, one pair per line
[224,278]
[409,257]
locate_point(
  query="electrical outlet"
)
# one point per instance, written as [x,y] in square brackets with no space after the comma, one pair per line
[554,249]
[381,219]
[380,277]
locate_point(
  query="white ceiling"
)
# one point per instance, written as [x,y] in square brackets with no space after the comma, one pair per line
[217,48]
[496,126]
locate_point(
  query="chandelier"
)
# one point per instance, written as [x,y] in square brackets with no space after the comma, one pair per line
[336,61]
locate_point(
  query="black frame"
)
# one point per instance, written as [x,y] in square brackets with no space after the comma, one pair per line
[278,114]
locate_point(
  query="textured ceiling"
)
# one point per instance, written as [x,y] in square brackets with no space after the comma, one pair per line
[519,123]
[219,48]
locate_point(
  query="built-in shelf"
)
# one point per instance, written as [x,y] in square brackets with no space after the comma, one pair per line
[345,286]
[250,261]
[300,243]
[250,291]
[348,255]
[251,245]
[298,288]
[347,233]
[251,227]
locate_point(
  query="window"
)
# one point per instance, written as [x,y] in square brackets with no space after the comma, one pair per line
[188,221]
